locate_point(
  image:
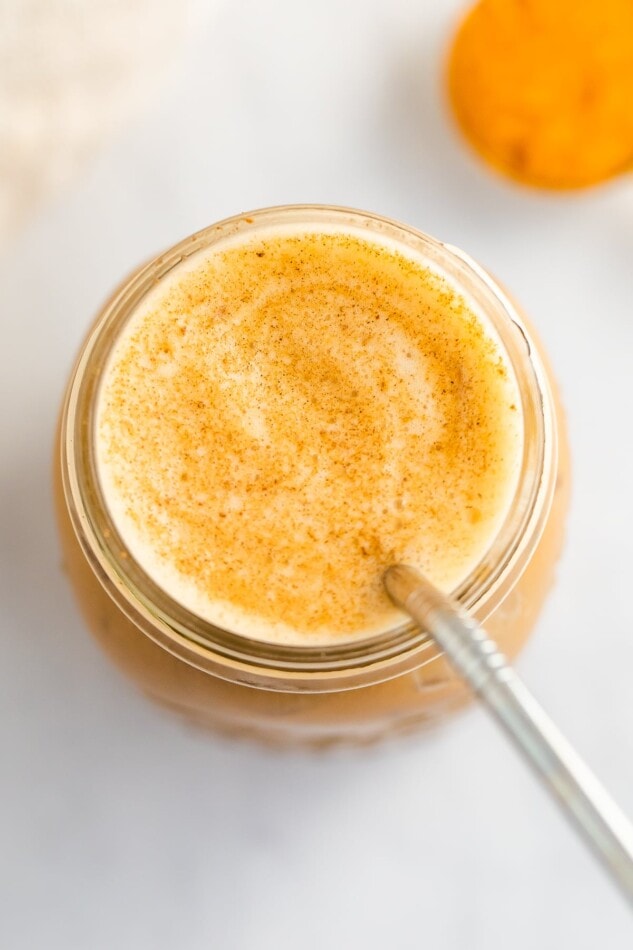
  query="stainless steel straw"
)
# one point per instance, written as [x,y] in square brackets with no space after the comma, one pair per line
[603,825]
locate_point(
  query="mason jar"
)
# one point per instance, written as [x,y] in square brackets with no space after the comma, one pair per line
[356,691]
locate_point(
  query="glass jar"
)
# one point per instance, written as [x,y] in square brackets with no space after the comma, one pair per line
[356,691]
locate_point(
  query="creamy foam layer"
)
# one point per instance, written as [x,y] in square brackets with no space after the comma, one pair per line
[289,413]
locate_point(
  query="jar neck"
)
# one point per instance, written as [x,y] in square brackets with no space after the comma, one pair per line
[338,665]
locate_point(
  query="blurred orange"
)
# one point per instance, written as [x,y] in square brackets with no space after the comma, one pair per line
[543,89]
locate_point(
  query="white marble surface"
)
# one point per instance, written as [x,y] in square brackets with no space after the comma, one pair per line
[121,828]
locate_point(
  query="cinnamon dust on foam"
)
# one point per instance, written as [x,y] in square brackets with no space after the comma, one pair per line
[287,416]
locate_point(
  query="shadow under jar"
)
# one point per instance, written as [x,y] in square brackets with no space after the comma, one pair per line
[345,691]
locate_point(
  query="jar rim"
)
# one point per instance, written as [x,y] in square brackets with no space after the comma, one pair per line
[240,658]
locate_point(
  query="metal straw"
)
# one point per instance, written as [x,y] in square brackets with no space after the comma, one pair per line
[604,826]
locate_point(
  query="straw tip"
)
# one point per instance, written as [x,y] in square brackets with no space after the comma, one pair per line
[400,581]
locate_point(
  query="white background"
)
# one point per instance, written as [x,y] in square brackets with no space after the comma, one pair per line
[121,827]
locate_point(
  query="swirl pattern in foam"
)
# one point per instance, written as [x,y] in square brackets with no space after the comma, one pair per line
[287,414]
